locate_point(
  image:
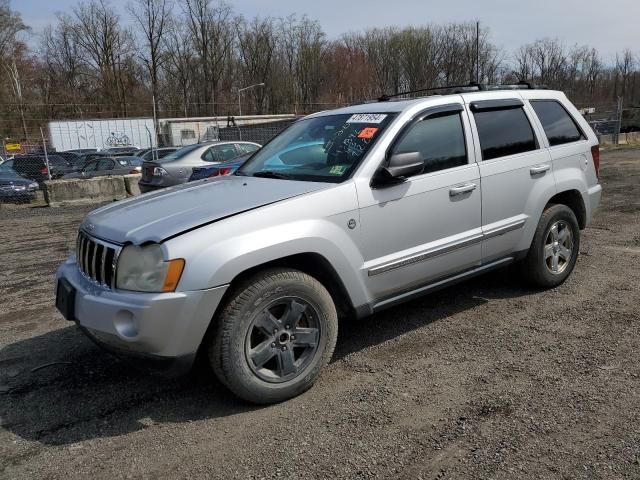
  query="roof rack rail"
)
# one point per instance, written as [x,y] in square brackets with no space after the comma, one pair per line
[386,98]
[473,86]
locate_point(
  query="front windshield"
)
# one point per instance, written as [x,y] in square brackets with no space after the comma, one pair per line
[324,149]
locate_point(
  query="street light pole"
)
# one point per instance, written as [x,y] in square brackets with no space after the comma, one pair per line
[242,90]
[240,105]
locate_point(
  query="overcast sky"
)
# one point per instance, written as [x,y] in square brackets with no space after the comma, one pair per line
[610,25]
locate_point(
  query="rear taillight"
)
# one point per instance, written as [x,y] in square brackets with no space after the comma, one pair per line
[221,172]
[595,153]
[44,171]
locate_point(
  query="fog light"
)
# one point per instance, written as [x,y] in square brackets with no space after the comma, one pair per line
[125,324]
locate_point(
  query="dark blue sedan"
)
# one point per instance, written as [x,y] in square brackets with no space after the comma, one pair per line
[219,169]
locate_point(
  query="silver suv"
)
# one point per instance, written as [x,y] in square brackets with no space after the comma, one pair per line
[346,212]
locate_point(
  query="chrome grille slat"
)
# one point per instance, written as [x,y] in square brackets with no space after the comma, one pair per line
[85,264]
[97,260]
[93,270]
[104,260]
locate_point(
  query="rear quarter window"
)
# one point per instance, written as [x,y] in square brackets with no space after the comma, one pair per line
[504,132]
[558,124]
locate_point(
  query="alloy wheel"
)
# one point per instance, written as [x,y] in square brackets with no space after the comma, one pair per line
[283,339]
[558,247]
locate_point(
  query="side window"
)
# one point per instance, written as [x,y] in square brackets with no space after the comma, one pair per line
[90,166]
[6,166]
[504,132]
[220,153]
[440,141]
[246,147]
[105,164]
[559,126]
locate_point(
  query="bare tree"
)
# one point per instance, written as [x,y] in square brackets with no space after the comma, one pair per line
[106,45]
[153,17]
[10,25]
[180,59]
[256,44]
[625,64]
[212,30]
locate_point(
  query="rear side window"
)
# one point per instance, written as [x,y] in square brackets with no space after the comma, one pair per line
[105,164]
[247,147]
[504,132]
[557,123]
[220,153]
[440,141]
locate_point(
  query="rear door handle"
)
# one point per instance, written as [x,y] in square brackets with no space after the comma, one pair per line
[538,169]
[462,189]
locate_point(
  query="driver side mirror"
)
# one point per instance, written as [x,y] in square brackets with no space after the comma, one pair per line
[399,166]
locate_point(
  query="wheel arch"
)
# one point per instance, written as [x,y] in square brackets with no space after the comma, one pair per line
[574,200]
[311,263]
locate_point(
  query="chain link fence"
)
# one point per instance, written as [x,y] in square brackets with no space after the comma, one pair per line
[66,148]
[107,147]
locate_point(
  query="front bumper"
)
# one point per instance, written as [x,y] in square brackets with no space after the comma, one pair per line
[159,326]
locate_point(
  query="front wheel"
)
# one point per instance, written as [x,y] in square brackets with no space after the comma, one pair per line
[554,250]
[274,335]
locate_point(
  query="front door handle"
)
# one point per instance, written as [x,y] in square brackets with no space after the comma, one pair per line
[538,169]
[462,189]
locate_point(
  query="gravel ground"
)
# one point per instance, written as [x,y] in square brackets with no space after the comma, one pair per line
[487,379]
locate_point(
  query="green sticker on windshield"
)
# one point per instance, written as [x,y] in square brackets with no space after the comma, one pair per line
[338,170]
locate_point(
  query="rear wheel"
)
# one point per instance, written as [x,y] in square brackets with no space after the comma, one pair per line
[554,250]
[274,336]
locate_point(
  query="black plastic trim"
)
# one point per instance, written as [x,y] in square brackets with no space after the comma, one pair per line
[500,104]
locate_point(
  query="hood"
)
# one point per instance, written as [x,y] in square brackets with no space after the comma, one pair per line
[160,215]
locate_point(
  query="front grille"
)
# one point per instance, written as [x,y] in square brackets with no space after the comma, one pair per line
[97,260]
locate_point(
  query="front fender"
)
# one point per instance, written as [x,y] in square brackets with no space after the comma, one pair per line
[315,223]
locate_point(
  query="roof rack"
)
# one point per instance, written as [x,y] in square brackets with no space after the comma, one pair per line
[470,87]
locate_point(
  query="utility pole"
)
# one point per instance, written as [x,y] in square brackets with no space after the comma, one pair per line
[46,155]
[478,51]
[616,137]
[154,151]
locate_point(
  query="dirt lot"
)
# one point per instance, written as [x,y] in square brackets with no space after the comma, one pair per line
[487,379]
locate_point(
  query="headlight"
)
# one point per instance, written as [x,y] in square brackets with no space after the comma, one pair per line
[144,269]
[159,172]
[33,186]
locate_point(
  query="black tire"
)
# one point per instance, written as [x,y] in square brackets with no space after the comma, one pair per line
[538,267]
[305,304]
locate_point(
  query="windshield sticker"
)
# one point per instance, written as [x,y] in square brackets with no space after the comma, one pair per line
[367,133]
[367,118]
[338,170]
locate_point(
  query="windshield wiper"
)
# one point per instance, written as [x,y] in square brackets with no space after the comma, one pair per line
[272,174]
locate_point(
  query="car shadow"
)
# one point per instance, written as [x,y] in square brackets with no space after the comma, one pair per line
[59,388]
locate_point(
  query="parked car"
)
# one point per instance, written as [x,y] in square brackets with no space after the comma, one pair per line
[122,150]
[150,154]
[85,157]
[219,169]
[82,150]
[108,166]
[176,168]
[7,166]
[403,198]
[14,188]
[75,160]
[35,167]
